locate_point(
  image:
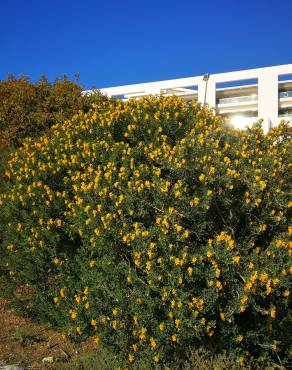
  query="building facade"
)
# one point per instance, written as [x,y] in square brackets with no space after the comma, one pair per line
[242,97]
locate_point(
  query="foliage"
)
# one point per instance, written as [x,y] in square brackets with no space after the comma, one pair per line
[152,226]
[28,108]
[196,359]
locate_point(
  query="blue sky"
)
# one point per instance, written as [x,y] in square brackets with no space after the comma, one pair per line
[113,42]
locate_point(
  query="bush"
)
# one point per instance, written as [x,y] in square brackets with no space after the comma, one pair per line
[28,108]
[154,227]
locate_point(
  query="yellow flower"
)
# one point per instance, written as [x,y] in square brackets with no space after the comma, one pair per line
[241,360]
[194,202]
[77,299]
[236,259]
[10,247]
[62,292]
[131,358]
[202,177]
[93,322]
[73,314]
[153,343]
[55,299]
[209,254]
[268,287]
[58,223]
[79,331]
[174,337]
[222,316]
[286,293]
[177,227]
[148,265]
[161,326]
[276,281]
[91,263]
[263,185]
[56,261]
[142,335]
[262,228]
[152,245]
[156,358]
[248,286]
[273,313]
[239,338]
[244,299]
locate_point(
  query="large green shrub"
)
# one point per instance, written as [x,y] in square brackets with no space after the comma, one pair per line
[154,227]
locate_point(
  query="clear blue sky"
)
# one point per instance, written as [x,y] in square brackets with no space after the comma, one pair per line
[114,42]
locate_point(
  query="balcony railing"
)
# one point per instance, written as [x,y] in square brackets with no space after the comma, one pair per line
[285,94]
[238,99]
[285,115]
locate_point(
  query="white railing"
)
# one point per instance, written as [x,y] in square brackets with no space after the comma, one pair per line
[203,88]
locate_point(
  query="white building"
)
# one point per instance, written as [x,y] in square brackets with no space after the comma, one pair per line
[241,96]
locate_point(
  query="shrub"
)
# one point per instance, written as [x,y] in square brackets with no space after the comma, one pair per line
[153,226]
[28,108]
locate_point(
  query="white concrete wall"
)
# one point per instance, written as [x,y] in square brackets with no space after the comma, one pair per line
[268,97]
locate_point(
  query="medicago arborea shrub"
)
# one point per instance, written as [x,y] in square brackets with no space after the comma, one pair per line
[153,227]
